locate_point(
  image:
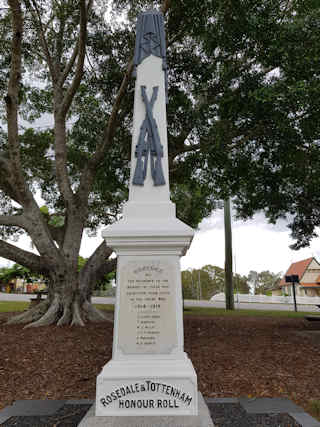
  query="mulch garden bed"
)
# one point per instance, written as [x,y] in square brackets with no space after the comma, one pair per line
[233,357]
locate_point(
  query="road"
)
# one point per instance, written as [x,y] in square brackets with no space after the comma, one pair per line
[188,303]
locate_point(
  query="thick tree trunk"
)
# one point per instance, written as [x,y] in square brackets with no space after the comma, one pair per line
[66,304]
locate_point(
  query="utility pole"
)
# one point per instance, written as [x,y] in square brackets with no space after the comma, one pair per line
[228,256]
[199,284]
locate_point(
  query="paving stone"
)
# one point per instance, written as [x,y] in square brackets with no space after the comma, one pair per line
[305,419]
[268,405]
[5,414]
[36,407]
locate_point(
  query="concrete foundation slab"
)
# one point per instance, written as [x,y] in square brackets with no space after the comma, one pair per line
[203,419]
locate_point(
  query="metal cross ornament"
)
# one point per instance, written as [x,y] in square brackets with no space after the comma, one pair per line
[149,143]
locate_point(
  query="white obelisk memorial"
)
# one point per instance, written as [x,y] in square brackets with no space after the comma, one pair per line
[149,374]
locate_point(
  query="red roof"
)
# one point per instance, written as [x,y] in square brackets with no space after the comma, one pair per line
[297,268]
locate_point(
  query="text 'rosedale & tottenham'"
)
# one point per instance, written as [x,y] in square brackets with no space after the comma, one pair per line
[148,386]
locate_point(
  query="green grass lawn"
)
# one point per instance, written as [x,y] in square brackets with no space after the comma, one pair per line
[10,306]
[106,307]
[208,311]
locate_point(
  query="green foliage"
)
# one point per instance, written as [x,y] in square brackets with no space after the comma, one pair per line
[81,262]
[106,284]
[9,273]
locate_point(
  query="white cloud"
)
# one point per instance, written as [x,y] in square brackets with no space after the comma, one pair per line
[257,245]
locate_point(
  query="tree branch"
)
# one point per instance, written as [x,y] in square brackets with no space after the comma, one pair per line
[20,256]
[73,57]
[12,98]
[41,33]
[69,65]
[59,44]
[165,6]
[13,220]
[80,63]
[96,266]
[57,233]
[15,178]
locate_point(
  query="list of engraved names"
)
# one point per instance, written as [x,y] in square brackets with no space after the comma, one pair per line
[147,323]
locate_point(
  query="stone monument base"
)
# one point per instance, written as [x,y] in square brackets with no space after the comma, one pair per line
[203,419]
[148,387]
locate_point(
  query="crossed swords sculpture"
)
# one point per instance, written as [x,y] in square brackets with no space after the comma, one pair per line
[149,143]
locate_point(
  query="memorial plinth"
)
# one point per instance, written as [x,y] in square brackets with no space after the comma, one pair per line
[149,374]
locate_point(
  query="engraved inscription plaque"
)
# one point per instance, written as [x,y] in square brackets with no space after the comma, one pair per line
[147,316]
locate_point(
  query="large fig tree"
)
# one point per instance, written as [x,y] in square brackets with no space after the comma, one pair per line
[242,102]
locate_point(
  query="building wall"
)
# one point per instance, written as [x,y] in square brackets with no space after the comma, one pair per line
[312,273]
[312,292]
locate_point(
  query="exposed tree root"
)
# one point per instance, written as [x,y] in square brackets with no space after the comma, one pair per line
[50,317]
[76,318]
[66,317]
[32,315]
[93,314]
[59,312]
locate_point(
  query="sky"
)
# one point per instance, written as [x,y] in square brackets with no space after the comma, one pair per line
[257,245]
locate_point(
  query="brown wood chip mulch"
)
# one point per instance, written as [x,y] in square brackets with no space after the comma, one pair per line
[233,357]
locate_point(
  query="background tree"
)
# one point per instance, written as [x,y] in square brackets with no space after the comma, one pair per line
[264,282]
[243,104]
[15,271]
[241,285]
[208,281]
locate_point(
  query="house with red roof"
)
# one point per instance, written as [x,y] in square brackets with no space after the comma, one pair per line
[308,271]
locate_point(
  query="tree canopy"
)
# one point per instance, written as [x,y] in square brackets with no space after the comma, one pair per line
[242,122]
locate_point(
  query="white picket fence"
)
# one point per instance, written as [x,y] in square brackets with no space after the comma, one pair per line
[266,299]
